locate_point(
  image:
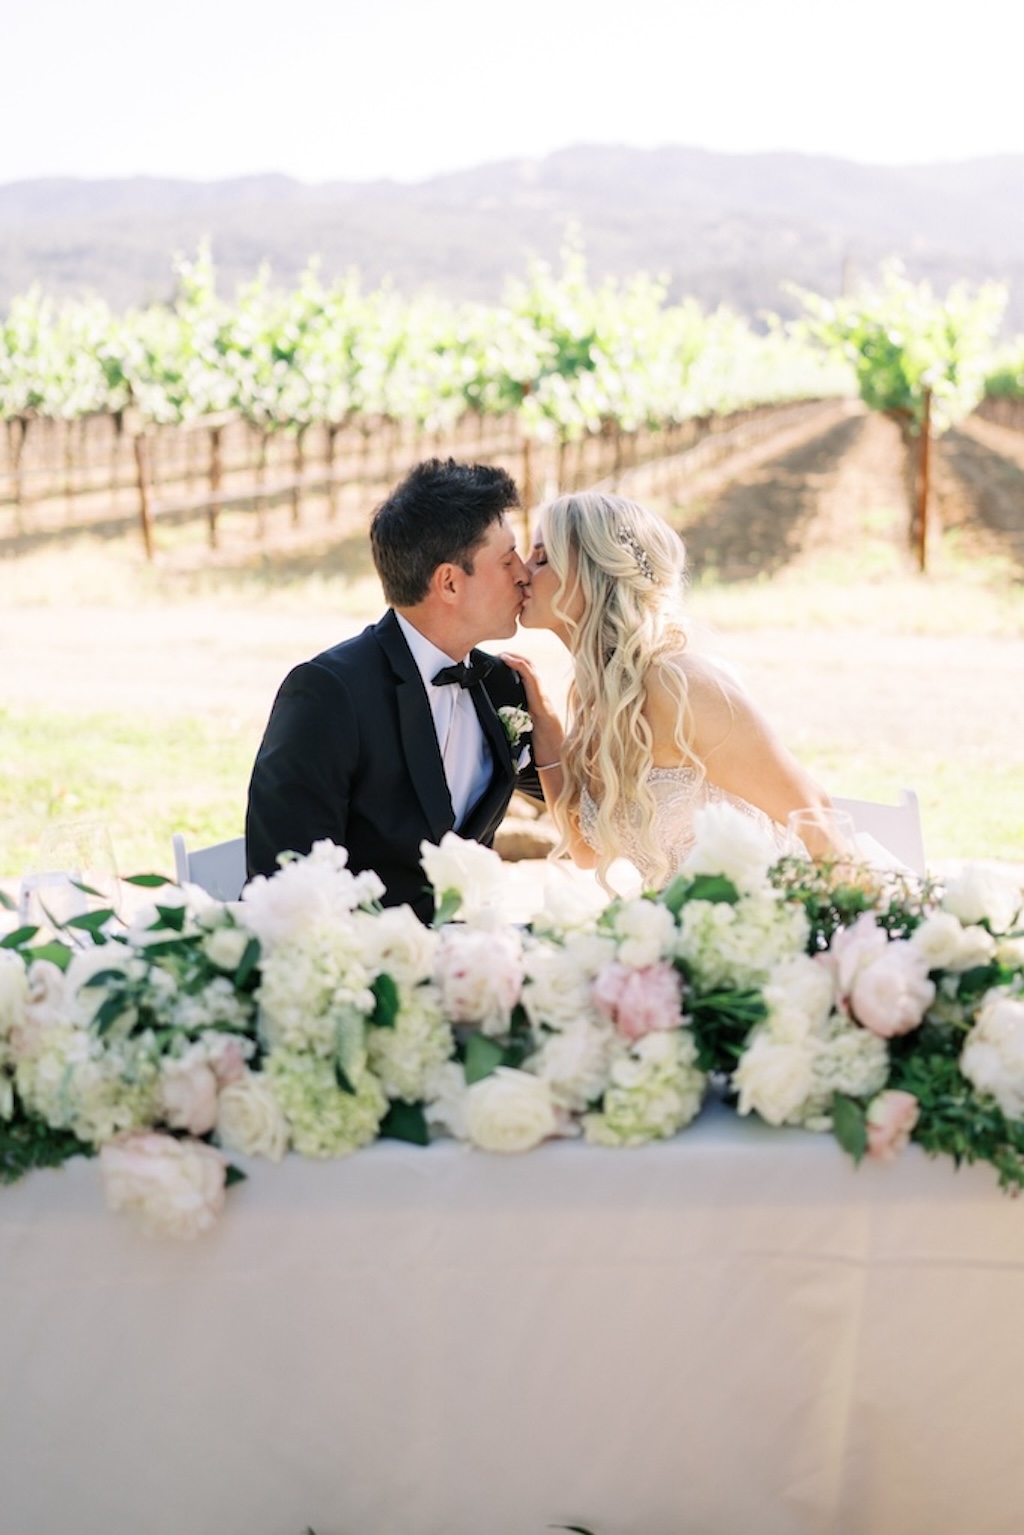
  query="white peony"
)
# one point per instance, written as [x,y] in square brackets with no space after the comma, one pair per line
[576,1060]
[774,1078]
[731,843]
[509,1111]
[944,943]
[176,1187]
[479,975]
[250,1119]
[980,893]
[474,872]
[306,895]
[992,1058]
[188,1092]
[799,995]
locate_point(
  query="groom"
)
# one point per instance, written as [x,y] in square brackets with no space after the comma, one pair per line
[386,739]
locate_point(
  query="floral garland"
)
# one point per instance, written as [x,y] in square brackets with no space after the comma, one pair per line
[309,1018]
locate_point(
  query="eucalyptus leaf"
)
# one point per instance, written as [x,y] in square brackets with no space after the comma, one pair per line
[7,902]
[18,938]
[92,922]
[147,881]
[248,963]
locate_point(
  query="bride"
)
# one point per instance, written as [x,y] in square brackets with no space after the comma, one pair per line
[654,731]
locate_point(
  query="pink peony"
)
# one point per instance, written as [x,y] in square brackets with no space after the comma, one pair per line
[891,994]
[479,975]
[891,1118]
[188,1095]
[852,948]
[639,1001]
[175,1186]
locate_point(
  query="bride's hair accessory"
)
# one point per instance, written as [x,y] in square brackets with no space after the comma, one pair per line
[630,541]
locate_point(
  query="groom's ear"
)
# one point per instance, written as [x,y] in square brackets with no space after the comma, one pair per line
[446,584]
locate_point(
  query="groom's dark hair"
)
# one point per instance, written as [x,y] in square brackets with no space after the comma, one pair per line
[439,515]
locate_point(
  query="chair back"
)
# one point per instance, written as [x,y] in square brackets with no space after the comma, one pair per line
[218,869]
[896,827]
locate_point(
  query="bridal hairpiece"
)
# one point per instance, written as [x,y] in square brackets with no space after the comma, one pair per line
[630,541]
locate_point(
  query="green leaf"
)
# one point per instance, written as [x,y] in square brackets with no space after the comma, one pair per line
[385,992]
[92,922]
[447,906]
[233,1175]
[342,1080]
[483,1056]
[18,938]
[406,1122]
[7,902]
[849,1123]
[57,953]
[713,887]
[171,917]
[147,881]
[248,962]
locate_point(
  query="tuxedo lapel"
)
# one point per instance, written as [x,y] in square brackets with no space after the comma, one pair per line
[416,728]
[496,795]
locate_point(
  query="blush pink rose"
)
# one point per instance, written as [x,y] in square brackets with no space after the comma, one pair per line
[890,1119]
[891,994]
[175,1186]
[639,1002]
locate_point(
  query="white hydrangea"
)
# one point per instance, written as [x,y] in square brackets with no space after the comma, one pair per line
[576,1060]
[645,931]
[740,945]
[655,1089]
[324,1121]
[981,893]
[405,1056]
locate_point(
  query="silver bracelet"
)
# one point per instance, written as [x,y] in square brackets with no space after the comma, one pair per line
[547,766]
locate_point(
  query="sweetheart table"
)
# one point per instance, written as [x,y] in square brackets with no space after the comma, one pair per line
[733,1333]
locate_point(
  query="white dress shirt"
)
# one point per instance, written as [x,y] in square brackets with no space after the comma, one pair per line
[464,750]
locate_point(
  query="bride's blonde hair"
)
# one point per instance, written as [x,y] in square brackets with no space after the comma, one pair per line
[624,567]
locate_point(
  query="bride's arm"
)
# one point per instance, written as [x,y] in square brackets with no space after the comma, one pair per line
[548,735]
[739,749]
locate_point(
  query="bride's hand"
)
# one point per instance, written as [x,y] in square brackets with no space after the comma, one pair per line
[547,725]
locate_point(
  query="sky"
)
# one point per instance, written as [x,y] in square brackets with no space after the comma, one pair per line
[353,90]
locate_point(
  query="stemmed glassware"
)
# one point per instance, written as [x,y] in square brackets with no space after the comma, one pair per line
[822,834]
[74,873]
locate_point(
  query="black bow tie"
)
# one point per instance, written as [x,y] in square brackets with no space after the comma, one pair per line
[464,675]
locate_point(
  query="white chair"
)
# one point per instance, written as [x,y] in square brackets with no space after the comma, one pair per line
[219,869]
[896,827]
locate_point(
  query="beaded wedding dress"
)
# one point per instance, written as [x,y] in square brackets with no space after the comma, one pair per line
[678,794]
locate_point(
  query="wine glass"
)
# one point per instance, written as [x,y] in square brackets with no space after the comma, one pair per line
[822,834]
[74,873]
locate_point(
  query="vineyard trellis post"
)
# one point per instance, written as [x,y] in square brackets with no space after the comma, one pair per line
[923,483]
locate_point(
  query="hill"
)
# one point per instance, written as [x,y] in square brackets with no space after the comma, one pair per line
[729,229]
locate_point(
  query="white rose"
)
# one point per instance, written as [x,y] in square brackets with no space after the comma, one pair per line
[773,1078]
[396,942]
[250,1119]
[1010,952]
[980,893]
[731,843]
[569,904]
[509,1111]
[945,944]
[225,946]
[993,1055]
[175,1186]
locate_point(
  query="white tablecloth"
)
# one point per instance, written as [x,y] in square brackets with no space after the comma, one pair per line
[735,1333]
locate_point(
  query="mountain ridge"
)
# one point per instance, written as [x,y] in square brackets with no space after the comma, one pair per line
[733,229]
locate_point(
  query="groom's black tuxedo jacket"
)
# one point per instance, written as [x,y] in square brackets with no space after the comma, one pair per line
[350,754]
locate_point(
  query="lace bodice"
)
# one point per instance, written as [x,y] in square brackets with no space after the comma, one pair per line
[678,794]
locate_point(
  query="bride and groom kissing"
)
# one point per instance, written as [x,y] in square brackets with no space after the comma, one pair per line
[396,735]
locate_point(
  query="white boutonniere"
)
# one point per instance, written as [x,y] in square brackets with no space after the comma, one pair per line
[515,722]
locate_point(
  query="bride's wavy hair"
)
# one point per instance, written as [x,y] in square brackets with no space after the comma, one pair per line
[624,568]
